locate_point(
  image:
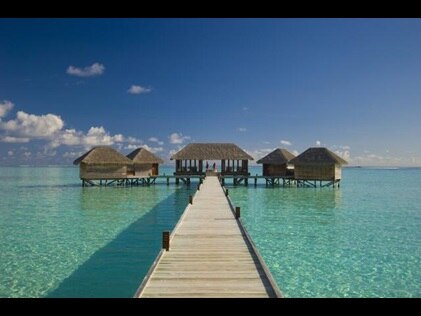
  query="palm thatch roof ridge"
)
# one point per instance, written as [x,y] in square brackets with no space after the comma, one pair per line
[279,156]
[318,156]
[142,155]
[212,151]
[103,155]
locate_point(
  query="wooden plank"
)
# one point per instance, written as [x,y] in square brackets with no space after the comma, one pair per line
[210,254]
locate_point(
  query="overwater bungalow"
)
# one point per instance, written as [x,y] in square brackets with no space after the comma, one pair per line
[276,163]
[145,163]
[103,163]
[317,164]
[189,160]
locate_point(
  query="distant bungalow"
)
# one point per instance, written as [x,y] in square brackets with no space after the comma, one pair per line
[103,163]
[318,164]
[276,163]
[189,160]
[145,163]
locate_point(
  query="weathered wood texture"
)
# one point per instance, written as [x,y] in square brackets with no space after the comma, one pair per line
[145,169]
[317,172]
[275,170]
[209,254]
[102,171]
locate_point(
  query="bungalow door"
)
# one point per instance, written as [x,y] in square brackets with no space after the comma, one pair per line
[155,169]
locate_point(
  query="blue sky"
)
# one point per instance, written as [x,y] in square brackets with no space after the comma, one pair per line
[352,85]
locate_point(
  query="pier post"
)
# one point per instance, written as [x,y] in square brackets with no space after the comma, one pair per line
[166,240]
[237,212]
[191,199]
[198,187]
[226,192]
[177,180]
[168,180]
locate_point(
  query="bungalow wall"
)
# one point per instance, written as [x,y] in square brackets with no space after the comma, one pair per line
[102,171]
[338,172]
[146,169]
[317,172]
[275,170]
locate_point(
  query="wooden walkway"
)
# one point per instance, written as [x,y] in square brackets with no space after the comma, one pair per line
[210,255]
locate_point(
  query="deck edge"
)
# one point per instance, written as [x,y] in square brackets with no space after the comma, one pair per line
[277,291]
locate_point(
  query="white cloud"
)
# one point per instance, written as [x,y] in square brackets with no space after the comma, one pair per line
[156,140]
[374,156]
[47,152]
[346,147]
[318,143]
[286,143]
[10,153]
[295,152]
[245,109]
[372,159]
[133,140]
[31,125]
[72,154]
[95,69]
[118,138]
[345,154]
[153,149]
[96,136]
[178,138]
[11,139]
[135,89]
[266,143]
[50,127]
[5,107]
[242,129]
[27,153]
[131,146]
[69,137]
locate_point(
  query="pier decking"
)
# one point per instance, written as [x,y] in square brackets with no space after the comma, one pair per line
[210,254]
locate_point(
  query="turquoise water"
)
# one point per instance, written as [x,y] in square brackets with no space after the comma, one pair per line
[58,239]
[363,240]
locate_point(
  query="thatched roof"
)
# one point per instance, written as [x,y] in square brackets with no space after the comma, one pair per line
[142,155]
[318,156]
[103,155]
[277,157]
[212,151]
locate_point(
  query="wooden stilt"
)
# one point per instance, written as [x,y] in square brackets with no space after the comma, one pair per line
[166,240]
[237,212]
